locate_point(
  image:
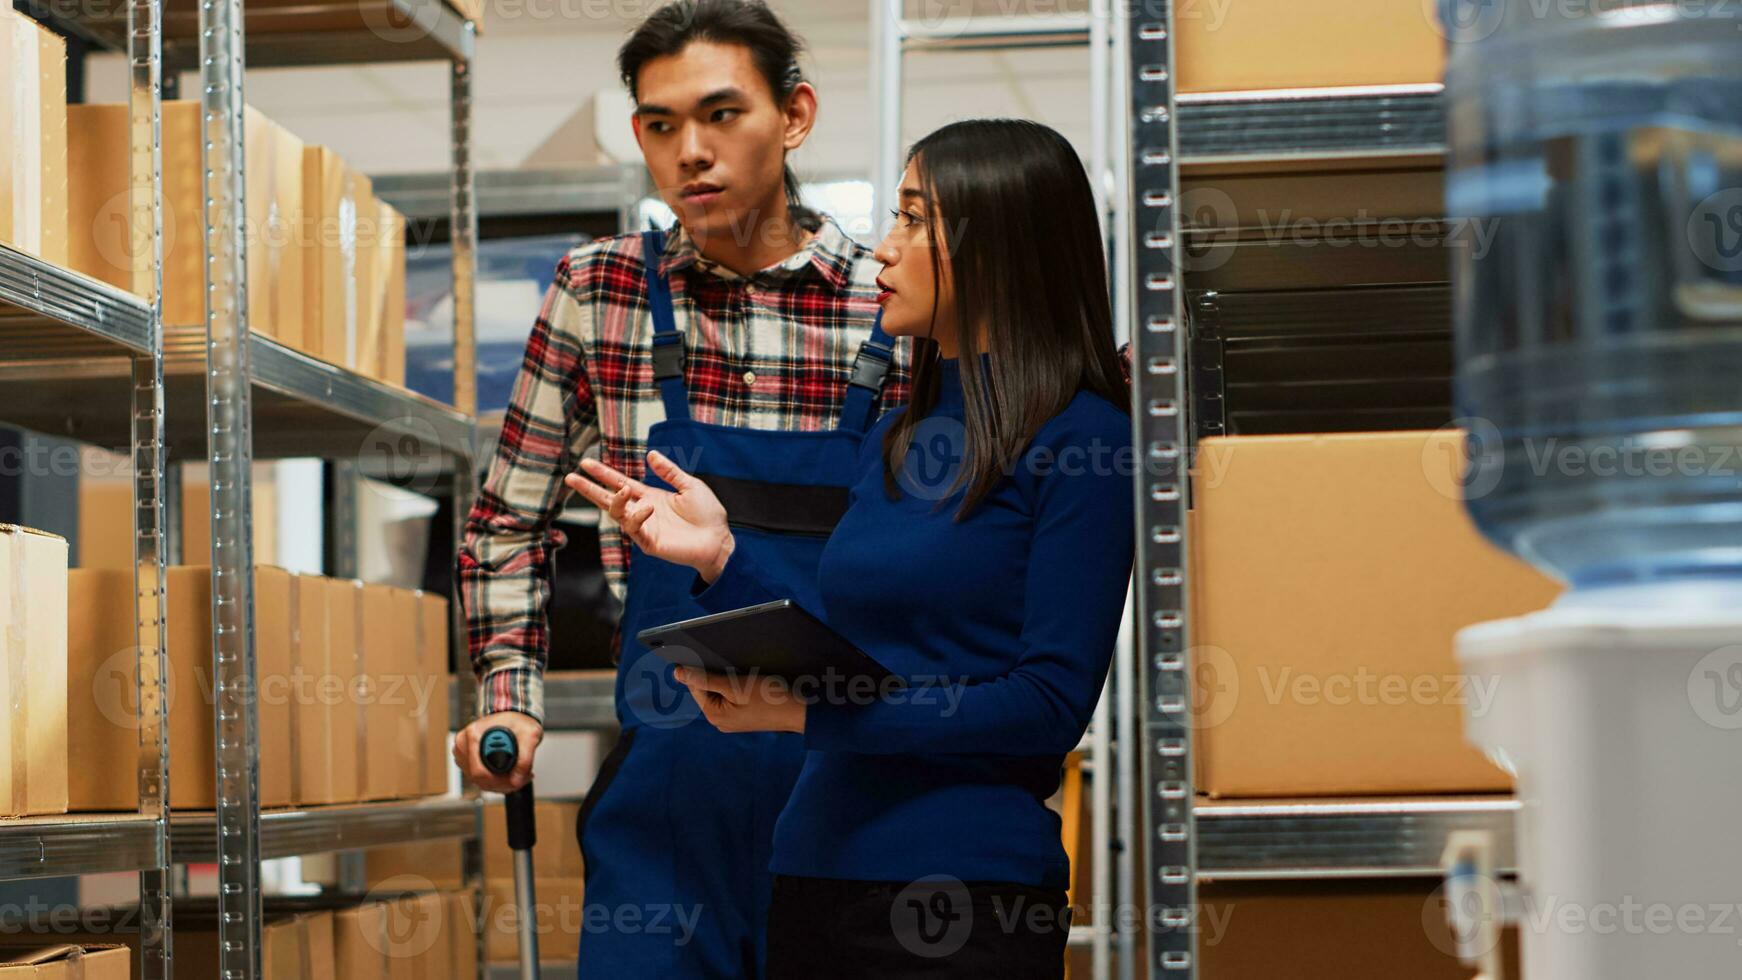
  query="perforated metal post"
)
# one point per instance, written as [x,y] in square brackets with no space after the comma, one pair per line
[145,206]
[230,450]
[1159,419]
[463,223]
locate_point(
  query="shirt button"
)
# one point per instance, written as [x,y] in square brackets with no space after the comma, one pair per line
[750,290]
[749,377]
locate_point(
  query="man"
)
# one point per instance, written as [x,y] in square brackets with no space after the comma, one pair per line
[743,345]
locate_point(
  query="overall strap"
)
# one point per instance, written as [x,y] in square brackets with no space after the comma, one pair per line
[667,342]
[870,368]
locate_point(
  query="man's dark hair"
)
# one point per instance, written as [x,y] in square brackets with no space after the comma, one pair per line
[675,26]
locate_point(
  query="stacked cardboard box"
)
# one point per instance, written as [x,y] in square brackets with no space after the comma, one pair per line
[1330,575]
[64,961]
[326,258]
[1279,44]
[1354,930]
[343,673]
[33,672]
[437,864]
[354,269]
[33,129]
[420,936]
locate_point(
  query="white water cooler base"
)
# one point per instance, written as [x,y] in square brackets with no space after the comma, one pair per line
[1620,712]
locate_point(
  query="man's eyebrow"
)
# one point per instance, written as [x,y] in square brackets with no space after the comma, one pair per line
[728,94]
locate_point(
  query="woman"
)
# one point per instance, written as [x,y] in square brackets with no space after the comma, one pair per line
[984,557]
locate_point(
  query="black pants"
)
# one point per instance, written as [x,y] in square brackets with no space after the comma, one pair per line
[826,929]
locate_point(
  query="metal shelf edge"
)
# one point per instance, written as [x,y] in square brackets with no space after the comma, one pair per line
[313,830]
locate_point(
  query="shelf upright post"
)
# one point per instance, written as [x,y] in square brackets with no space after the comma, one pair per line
[145,97]
[230,449]
[1159,398]
[886,89]
[463,236]
[463,225]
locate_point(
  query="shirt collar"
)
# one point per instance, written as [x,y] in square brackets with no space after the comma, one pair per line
[828,254]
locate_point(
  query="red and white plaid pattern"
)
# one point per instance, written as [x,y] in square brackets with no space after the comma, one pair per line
[771,351]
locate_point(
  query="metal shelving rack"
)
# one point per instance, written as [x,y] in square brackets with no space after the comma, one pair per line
[51,316]
[70,347]
[295,396]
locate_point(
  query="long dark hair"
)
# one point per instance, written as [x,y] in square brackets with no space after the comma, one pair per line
[1009,203]
[675,26]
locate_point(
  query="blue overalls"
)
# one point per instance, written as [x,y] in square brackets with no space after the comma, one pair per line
[677,829]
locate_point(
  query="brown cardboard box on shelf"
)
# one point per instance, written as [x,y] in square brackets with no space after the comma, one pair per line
[556,855]
[428,767]
[33,112]
[102,641]
[284,262]
[403,938]
[323,722]
[380,244]
[98,192]
[63,961]
[100,697]
[1272,44]
[33,672]
[334,199]
[460,914]
[387,655]
[393,311]
[381,293]
[346,716]
[1353,930]
[558,919]
[1330,574]
[435,864]
[293,947]
[351,17]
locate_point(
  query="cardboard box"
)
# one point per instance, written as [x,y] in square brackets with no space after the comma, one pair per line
[1330,574]
[558,918]
[335,201]
[381,292]
[1270,44]
[33,672]
[433,722]
[33,115]
[331,16]
[393,305]
[102,689]
[289,252]
[461,914]
[402,939]
[102,699]
[1352,930]
[436,864]
[387,658]
[557,853]
[104,245]
[346,717]
[296,947]
[64,961]
[320,772]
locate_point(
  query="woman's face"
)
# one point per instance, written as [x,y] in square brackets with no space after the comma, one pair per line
[911,300]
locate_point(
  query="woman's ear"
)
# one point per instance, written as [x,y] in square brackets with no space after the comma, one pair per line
[801,115]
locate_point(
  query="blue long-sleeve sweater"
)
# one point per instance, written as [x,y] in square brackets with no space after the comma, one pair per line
[1003,624]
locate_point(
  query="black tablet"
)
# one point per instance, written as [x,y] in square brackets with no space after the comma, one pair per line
[778,639]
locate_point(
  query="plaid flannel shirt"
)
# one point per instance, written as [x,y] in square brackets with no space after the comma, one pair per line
[769,351]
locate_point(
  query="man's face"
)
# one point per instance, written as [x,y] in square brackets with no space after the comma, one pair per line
[714,138]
